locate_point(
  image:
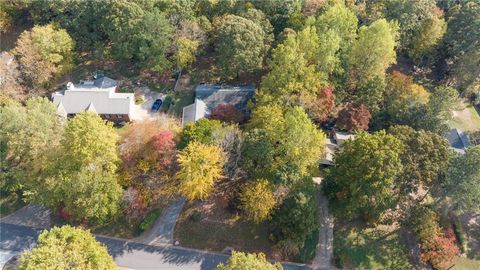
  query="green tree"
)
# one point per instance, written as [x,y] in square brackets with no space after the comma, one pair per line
[289,137]
[248,261]
[429,34]
[27,136]
[202,131]
[200,166]
[240,45]
[362,179]
[297,217]
[337,29]
[462,46]
[138,31]
[425,157]
[67,248]
[421,24]
[292,80]
[253,193]
[80,177]
[462,188]
[44,52]
[372,53]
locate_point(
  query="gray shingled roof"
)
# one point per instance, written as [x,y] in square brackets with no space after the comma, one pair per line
[98,96]
[457,139]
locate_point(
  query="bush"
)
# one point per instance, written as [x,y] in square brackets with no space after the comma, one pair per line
[125,89]
[196,216]
[139,100]
[307,253]
[148,220]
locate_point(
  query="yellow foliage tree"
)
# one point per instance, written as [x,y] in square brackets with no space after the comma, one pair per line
[251,196]
[200,166]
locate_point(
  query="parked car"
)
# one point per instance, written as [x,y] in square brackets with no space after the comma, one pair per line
[156,105]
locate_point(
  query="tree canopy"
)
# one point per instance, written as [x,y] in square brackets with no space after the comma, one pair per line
[246,261]
[67,248]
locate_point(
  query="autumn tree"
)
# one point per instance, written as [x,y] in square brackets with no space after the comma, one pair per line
[201,166]
[240,45]
[401,95]
[361,180]
[28,135]
[81,177]
[321,108]
[44,52]
[354,116]
[253,193]
[189,39]
[67,248]
[227,113]
[244,261]
[11,81]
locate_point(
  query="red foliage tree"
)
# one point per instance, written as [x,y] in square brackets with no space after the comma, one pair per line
[440,251]
[227,113]
[320,109]
[164,146]
[134,203]
[354,116]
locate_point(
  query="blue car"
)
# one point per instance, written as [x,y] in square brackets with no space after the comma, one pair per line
[156,105]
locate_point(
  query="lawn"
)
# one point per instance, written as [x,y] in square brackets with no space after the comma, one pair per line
[9,203]
[467,119]
[215,229]
[358,247]
[466,264]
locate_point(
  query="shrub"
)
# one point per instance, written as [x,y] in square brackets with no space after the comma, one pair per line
[196,216]
[440,251]
[148,220]
[307,253]
[167,103]
[460,234]
[227,113]
[252,194]
[139,100]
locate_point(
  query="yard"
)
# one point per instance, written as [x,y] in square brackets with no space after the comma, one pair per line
[210,226]
[467,119]
[358,247]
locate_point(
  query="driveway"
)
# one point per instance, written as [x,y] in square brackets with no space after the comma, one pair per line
[143,111]
[126,254]
[162,230]
[30,215]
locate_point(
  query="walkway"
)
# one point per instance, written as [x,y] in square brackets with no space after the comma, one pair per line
[324,254]
[30,215]
[161,232]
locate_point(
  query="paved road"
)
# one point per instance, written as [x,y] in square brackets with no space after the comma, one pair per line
[15,238]
[324,254]
[162,230]
[30,215]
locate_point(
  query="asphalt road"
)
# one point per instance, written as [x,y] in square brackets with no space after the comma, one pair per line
[15,238]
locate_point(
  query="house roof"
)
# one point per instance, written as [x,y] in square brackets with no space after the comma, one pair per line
[209,96]
[458,140]
[100,98]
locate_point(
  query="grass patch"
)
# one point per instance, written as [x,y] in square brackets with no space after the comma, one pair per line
[118,227]
[358,247]
[9,203]
[466,120]
[161,87]
[462,263]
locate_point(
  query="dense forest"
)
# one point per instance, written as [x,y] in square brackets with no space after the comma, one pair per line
[390,72]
